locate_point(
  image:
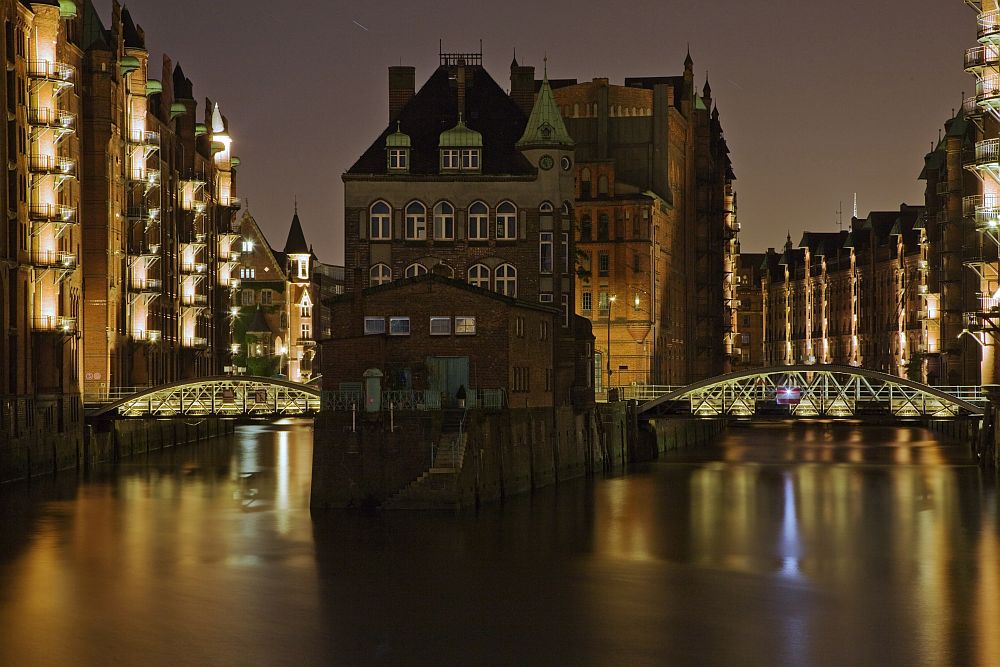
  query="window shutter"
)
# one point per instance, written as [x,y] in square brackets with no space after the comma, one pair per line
[363,226]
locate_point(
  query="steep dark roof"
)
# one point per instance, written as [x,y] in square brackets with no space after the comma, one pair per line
[133,40]
[183,89]
[434,109]
[258,324]
[296,244]
[95,35]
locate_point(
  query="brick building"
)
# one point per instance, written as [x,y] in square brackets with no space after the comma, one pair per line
[432,335]
[657,229]
[749,350]
[465,184]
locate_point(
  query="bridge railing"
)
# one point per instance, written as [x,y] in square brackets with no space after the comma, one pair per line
[412,399]
[650,392]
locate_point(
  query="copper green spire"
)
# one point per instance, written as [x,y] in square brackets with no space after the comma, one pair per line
[545,126]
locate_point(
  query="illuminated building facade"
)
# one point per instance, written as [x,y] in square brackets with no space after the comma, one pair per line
[40,281]
[657,229]
[749,349]
[851,297]
[160,250]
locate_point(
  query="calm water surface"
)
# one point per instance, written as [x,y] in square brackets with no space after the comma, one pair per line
[778,545]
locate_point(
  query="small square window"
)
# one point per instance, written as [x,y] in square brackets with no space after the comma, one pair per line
[440,326]
[545,297]
[374,325]
[399,326]
[465,326]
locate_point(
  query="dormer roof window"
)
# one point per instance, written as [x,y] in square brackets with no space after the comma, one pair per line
[397,150]
[461,148]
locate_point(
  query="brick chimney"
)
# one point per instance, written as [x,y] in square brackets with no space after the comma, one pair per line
[401,89]
[522,86]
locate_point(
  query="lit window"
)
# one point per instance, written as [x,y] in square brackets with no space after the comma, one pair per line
[305,331]
[449,158]
[470,158]
[566,209]
[506,221]
[303,268]
[440,326]
[248,273]
[603,264]
[602,303]
[398,158]
[505,281]
[545,252]
[416,221]
[379,274]
[465,326]
[414,270]
[305,306]
[564,246]
[479,222]
[444,221]
[399,326]
[479,276]
[374,325]
[378,219]
[247,297]
[266,296]
[247,245]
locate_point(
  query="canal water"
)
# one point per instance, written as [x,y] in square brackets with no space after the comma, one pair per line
[786,544]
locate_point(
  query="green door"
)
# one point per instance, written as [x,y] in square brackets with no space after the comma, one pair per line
[445,375]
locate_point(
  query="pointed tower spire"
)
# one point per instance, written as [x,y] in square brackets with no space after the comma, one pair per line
[545,125]
[295,244]
[706,92]
[688,62]
[788,240]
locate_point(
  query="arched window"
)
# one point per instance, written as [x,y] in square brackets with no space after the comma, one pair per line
[378,221]
[602,227]
[479,276]
[479,221]
[443,269]
[415,269]
[506,221]
[566,209]
[379,274]
[444,222]
[416,221]
[506,280]
[602,185]
[545,207]
[585,227]
[585,183]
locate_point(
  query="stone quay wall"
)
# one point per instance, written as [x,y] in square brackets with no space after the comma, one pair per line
[39,453]
[113,440]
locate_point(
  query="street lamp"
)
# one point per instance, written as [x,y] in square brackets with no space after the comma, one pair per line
[611,302]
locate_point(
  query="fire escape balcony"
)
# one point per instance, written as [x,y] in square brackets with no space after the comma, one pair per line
[147,286]
[969,205]
[147,215]
[988,93]
[989,26]
[231,202]
[55,324]
[52,165]
[47,118]
[144,139]
[148,178]
[52,213]
[54,259]
[971,108]
[978,57]
[199,300]
[194,268]
[151,336]
[58,73]
[194,342]
[988,217]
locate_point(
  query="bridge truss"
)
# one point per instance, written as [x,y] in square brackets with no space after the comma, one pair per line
[224,396]
[813,391]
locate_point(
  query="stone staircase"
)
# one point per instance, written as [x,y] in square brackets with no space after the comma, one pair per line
[435,489]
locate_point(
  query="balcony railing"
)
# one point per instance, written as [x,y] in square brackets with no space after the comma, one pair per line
[971,108]
[989,24]
[55,324]
[46,70]
[147,335]
[144,138]
[143,214]
[194,299]
[987,217]
[47,117]
[988,152]
[984,55]
[54,259]
[53,213]
[988,304]
[195,342]
[194,267]
[148,177]
[148,285]
[970,203]
[52,164]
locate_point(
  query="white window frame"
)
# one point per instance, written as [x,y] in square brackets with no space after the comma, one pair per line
[266,297]
[443,325]
[565,309]
[506,221]
[305,305]
[476,277]
[247,245]
[380,223]
[305,331]
[303,268]
[587,301]
[397,328]
[416,221]
[545,297]
[414,270]
[398,159]
[564,246]
[451,159]
[479,221]
[444,221]
[247,297]
[505,280]
[379,274]
[465,325]
[471,159]
[374,326]
[546,260]
[545,207]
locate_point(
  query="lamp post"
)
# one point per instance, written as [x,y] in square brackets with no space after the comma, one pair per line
[611,302]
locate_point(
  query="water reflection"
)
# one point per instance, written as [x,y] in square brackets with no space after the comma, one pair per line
[790,544]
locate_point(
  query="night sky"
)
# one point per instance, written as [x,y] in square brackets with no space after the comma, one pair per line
[818,100]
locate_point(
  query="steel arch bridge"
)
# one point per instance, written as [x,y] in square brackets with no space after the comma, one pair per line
[810,391]
[222,395]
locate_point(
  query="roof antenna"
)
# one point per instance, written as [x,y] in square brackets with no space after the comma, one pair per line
[840,216]
[855,204]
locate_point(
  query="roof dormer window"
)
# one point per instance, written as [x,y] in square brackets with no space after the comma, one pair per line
[397,149]
[461,148]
